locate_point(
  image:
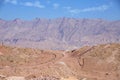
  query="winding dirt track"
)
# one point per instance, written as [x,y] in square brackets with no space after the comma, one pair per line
[79,58]
[50,59]
[62,64]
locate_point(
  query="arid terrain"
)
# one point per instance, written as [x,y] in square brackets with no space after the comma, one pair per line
[100,62]
[65,32]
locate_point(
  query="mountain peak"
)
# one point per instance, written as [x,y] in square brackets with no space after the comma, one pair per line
[65,32]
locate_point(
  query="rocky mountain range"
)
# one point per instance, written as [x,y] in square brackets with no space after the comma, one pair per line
[59,33]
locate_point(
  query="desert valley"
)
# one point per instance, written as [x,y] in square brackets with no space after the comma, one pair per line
[59,49]
[101,62]
[59,39]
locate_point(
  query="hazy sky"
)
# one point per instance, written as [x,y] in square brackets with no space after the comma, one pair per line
[30,9]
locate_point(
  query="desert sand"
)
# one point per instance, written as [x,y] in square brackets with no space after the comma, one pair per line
[101,62]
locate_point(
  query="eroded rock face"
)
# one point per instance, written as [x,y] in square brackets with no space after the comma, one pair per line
[99,62]
[65,32]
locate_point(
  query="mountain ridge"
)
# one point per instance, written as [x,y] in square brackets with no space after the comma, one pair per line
[65,32]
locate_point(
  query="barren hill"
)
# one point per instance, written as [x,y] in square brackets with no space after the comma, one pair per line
[65,32]
[101,62]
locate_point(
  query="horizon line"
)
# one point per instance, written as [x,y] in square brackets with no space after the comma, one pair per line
[58,18]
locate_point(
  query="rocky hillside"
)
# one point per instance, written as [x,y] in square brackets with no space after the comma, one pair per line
[101,62]
[65,32]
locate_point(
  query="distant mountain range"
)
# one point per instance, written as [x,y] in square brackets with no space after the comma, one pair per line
[59,33]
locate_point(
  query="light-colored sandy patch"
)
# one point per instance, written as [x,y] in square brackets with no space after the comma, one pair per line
[62,63]
[70,78]
[15,78]
[1,53]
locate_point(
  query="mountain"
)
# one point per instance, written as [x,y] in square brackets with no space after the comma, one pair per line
[100,62]
[59,33]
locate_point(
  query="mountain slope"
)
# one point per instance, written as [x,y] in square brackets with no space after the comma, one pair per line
[65,32]
[101,62]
